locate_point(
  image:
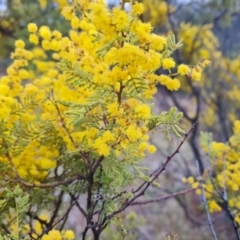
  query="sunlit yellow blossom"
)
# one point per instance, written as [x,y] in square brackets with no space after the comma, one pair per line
[205,63]
[152,149]
[143,111]
[183,69]
[102,148]
[23,74]
[4,89]
[46,44]
[55,56]
[143,146]
[133,133]
[68,13]
[196,75]
[108,136]
[33,38]
[45,32]
[69,235]
[198,191]
[237,127]
[190,180]
[120,19]
[234,187]
[168,63]
[195,185]
[163,79]
[157,42]
[46,163]
[173,84]
[75,23]
[113,109]
[213,206]
[53,235]
[30,89]
[19,44]
[137,8]
[32,28]
[55,45]
[57,34]
[38,53]
[28,55]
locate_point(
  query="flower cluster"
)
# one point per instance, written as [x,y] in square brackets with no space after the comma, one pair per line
[226,167]
[56,235]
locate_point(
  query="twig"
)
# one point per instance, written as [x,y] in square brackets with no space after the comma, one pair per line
[122,4]
[78,205]
[62,120]
[4,227]
[56,210]
[164,197]
[90,205]
[119,195]
[119,94]
[204,199]
[50,185]
[158,171]
[65,216]
[57,222]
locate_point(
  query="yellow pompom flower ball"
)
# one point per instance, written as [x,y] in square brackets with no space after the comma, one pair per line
[45,32]
[69,235]
[183,69]
[32,28]
[19,44]
[168,63]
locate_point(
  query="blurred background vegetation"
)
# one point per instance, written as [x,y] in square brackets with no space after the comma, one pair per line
[15,16]
[209,30]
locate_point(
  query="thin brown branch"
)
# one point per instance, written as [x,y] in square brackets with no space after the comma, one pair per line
[10,161]
[62,119]
[50,185]
[164,197]
[78,205]
[205,203]
[57,222]
[119,94]
[122,4]
[57,206]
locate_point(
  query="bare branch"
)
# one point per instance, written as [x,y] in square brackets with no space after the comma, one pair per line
[50,185]
[204,199]
[164,197]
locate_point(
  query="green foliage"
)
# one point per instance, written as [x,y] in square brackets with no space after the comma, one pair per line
[28,102]
[171,46]
[124,226]
[77,77]
[20,202]
[205,139]
[170,120]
